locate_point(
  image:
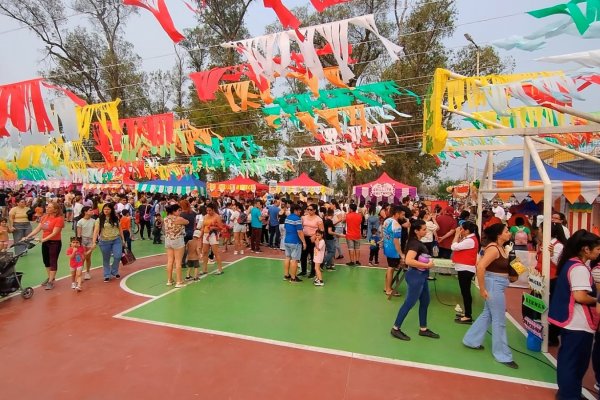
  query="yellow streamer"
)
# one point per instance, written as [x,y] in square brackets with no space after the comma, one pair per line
[103,112]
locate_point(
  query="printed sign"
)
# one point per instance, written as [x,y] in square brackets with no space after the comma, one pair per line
[382,190]
[534,303]
[534,327]
[536,282]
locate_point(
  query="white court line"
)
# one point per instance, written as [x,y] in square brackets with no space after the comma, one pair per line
[348,354]
[359,356]
[152,298]
[18,293]
[126,288]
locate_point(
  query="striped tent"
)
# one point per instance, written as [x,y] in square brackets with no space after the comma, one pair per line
[186,185]
[573,187]
[305,184]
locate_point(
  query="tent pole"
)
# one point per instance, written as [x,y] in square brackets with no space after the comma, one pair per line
[545,235]
[567,150]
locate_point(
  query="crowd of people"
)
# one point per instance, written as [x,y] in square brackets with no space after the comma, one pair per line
[195,231]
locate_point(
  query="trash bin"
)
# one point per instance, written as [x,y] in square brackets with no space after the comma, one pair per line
[534,343]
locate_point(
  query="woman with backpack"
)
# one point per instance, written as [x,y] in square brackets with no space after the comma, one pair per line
[521,235]
[144,210]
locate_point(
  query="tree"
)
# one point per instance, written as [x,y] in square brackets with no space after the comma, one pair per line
[440,189]
[96,63]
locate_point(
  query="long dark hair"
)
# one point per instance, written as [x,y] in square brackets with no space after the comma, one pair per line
[575,244]
[493,231]
[415,225]
[112,217]
[84,209]
[471,227]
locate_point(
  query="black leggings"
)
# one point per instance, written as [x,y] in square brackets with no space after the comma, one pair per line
[50,252]
[143,224]
[308,252]
[464,281]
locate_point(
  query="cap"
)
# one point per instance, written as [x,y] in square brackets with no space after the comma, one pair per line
[197,233]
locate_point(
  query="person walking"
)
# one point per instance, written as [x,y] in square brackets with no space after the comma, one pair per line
[145,213]
[465,249]
[108,235]
[493,278]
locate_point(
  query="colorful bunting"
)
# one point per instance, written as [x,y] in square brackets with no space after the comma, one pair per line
[159,9]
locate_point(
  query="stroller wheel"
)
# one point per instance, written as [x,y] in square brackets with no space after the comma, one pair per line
[27,293]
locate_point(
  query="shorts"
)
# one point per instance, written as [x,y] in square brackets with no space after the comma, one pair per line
[86,241]
[76,268]
[210,238]
[293,251]
[353,244]
[193,263]
[393,262]
[174,243]
[237,228]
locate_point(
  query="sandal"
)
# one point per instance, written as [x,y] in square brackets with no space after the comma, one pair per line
[466,321]
[393,293]
[169,283]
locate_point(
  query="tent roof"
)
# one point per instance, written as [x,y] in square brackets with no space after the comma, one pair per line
[303,180]
[385,178]
[514,172]
[240,181]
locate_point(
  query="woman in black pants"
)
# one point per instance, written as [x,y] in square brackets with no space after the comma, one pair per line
[465,248]
[144,212]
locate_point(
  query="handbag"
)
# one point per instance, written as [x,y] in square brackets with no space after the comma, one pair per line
[127,257]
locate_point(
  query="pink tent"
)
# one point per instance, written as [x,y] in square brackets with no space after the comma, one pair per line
[303,183]
[384,188]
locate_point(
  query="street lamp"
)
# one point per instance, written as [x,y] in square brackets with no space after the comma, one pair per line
[470,39]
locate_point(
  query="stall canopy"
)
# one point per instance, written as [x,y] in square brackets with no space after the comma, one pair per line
[305,184]
[186,185]
[565,183]
[384,188]
[115,184]
[238,184]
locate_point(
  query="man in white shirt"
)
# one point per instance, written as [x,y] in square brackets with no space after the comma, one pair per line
[498,211]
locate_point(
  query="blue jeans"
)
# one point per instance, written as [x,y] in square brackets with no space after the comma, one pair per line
[418,289]
[329,252]
[492,314]
[572,362]
[111,247]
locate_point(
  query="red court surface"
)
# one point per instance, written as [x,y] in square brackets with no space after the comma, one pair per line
[62,344]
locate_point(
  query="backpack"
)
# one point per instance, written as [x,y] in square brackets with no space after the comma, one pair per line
[521,237]
[243,218]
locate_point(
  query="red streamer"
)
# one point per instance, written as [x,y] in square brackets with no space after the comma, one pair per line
[162,15]
[321,5]
[76,99]
[21,102]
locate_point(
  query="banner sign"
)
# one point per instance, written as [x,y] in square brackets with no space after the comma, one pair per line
[536,282]
[534,303]
[534,327]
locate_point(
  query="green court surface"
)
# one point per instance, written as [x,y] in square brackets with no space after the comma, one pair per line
[33,268]
[350,313]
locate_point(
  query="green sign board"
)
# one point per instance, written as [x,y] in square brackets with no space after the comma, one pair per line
[534,303]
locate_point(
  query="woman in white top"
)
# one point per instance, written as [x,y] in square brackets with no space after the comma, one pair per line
[239,228]
[465,248]
[432,227]
[85,231]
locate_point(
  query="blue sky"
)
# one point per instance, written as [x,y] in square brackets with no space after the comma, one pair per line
[484,20]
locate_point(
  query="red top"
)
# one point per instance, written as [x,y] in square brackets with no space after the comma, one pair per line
[353,222]
[48,225]
[446,224]
[125,223]
[468,256]
[77,260]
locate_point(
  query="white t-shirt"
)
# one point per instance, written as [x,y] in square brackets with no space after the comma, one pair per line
[499,212]
[580,280]
[234,218]
[87,227]
[432,227]
[77,209]
[199,221]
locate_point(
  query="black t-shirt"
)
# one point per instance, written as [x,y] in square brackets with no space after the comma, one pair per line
[3,199]
[191,226]
[417,246]
[328,224]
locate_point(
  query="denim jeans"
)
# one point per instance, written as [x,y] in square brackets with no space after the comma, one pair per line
[418,289]
[281,236]
[274,236]
[338,248]
[492,314]
[22,229]
[111,247]
[329,252]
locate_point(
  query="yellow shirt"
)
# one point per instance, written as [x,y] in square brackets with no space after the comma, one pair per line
[108,231]
[18,214]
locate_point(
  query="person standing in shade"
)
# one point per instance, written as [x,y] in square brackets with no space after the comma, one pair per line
[353,236]
[51,225]
[465,249]
[256,226]
[294,244]
[274,234]
[492,276]
[447,228]
[392,232]
[573,308]
[419,262]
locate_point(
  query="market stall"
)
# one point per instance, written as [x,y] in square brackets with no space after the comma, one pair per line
[237,185]
[303,184]
[384,188]
[186,185]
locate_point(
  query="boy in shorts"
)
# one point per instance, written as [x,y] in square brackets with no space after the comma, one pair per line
[76,253]
[194,254]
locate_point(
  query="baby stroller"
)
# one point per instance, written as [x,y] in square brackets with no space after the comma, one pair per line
[10,280]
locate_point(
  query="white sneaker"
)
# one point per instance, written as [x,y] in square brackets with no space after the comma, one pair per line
[235,252]
[73,285]
[78,288]
[241,251]
[87,276]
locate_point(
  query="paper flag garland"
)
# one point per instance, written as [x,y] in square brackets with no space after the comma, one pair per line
[260,50]
[159,9]
[288,19]
[22,104]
